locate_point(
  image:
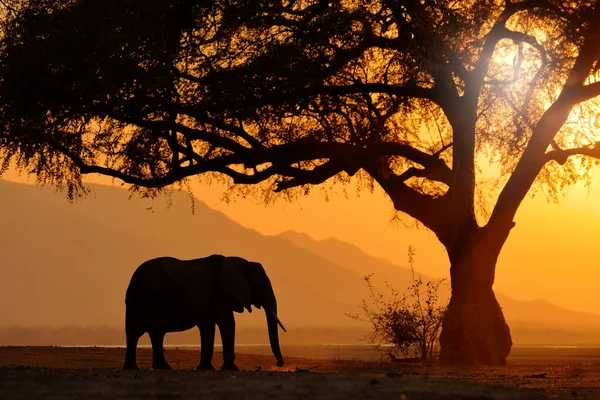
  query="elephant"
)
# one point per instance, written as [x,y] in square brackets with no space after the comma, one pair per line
[171,295]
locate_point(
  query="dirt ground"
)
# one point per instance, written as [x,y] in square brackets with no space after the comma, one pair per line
[94,373]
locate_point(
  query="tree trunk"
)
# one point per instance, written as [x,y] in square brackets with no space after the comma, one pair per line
[474,330]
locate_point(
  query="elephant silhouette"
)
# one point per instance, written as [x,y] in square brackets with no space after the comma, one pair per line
[170,295]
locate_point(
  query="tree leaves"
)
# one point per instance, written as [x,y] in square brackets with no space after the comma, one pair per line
[291,94]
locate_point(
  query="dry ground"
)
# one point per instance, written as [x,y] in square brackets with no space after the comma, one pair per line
[94,373]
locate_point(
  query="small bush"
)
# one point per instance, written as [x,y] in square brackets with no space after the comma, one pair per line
[408,324]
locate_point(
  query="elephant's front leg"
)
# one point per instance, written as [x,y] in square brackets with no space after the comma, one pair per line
[207,343]
[226,324]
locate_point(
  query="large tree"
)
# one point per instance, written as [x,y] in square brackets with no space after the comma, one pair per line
[457,109]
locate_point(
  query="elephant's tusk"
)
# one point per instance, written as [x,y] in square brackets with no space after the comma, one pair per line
[279,322]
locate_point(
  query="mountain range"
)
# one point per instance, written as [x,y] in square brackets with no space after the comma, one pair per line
[68,264]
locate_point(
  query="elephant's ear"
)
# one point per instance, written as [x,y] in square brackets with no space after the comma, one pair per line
[234,282]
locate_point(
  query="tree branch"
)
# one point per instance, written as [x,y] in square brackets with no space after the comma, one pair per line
[534,156]
[587,92]
[561,155]
[310,177]
[402,91]
[432,212]
[435,168]
[159,127]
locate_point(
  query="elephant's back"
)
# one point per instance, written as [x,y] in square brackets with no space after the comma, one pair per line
[153,278]
[150,277]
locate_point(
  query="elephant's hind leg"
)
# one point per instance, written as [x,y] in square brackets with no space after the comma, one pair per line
[133,334]
[130,353]
[158,355]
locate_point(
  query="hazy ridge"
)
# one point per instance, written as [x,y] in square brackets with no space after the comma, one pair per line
[537,313]
[66,265]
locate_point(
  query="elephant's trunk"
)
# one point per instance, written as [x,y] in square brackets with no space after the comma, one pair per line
[272,321]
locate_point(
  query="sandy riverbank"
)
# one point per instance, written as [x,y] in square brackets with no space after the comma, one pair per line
[94,373]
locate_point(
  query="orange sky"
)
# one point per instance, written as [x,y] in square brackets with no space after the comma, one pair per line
[551,253]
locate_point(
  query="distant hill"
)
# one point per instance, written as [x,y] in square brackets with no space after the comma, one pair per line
[69,264]
[538,313]
[541,313]
[353,258]
[65,264]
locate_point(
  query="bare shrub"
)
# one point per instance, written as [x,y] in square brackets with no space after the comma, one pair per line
[405,324]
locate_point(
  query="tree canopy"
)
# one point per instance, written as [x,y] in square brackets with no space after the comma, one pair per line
[296,92]
[415,96]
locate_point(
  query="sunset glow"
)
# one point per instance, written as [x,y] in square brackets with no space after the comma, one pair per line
[421,176]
